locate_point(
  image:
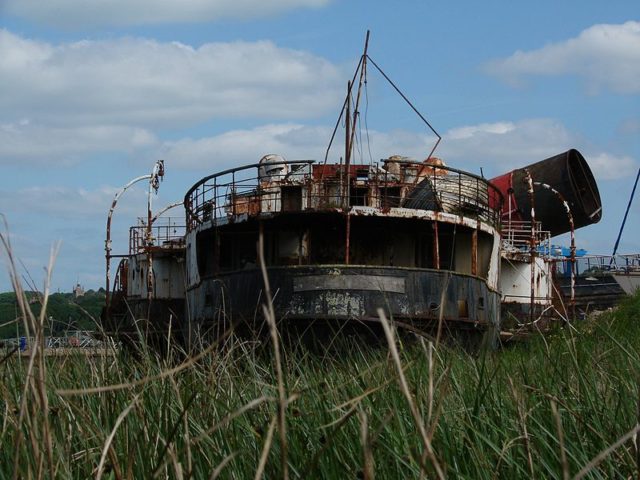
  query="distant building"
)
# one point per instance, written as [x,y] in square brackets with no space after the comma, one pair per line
[78,291]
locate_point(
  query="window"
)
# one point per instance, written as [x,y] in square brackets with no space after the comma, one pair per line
[291,199]
[359,197]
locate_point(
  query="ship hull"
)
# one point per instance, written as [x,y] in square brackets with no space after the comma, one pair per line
[419,299]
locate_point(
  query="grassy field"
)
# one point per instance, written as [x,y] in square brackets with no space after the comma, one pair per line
[562,406]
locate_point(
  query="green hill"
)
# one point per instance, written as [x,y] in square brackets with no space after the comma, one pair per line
[64,313]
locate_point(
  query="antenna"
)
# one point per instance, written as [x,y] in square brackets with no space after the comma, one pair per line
[350,121]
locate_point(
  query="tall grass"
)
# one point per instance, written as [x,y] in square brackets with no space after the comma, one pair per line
[545,409]
[556,407]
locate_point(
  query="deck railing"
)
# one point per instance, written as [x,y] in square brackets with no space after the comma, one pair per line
[168,234]
[517,236]
[595,265]
[291,186]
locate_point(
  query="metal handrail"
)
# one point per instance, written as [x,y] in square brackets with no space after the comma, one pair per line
[160,235]
[228,195]
[625,263]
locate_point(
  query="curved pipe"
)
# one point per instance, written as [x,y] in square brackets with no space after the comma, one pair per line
[567,209]
[107,242]
[165,210]
[154,182]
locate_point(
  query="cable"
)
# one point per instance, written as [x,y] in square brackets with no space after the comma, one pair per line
[410,104]
[344,106]
[366,123]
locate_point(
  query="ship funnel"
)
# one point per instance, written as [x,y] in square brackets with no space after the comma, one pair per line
[569,174]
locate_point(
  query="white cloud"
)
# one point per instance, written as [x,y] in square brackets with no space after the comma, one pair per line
[610,167]
[133,81]
[42,215]
[497,147]
[70,202]
[293,141]
[239,147]
[79,13]
[469,131]
[504,146]
[39,144]
[606,56]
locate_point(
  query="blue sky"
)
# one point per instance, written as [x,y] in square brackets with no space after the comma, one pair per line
[92,93]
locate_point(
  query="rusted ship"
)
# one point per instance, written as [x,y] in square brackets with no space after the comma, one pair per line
[437,248]
[420,240]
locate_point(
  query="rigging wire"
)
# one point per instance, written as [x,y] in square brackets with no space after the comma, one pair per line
[408,103]
[366,123]
[357,141]
[362,69]
[340,117]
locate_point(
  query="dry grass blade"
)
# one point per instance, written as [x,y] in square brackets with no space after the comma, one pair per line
[606,452]
[504,450]
[433,416]
[442,390]
[8,355]
[36,369]
[185,423]
[25,311]
[563,453]
[177,466]
[522,418]
[228,418]
[340,421]
[111,436]
[405,390]
[442,301]
[183,415]
[41,385]
[312,464]
[270,316]
[429,351]
[265,449]
[10,322]
[635,438]
[352,402]
[368,468]
[225,461]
